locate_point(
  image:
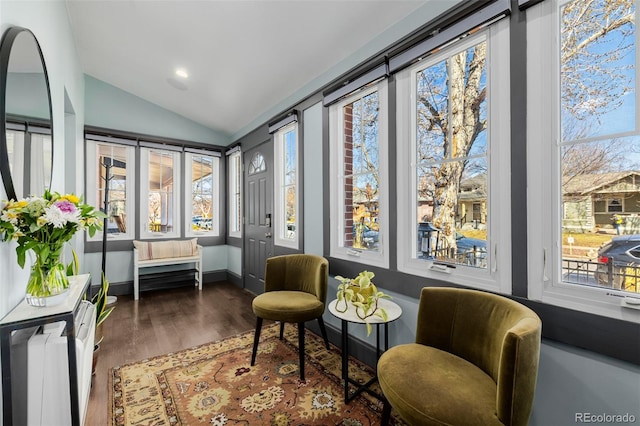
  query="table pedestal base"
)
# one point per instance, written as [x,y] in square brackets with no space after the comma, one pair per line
[348,397]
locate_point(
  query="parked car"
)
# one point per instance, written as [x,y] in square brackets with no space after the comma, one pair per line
[471,251]
[618,261]
[466,244]
[370,237]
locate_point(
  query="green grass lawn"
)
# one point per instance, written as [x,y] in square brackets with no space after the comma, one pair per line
[582,240]
[586,240]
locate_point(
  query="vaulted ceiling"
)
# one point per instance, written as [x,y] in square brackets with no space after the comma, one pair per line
[243,57]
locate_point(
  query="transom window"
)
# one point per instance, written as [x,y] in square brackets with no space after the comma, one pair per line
[257,164]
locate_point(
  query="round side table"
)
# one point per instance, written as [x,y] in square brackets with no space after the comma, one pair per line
[394,311]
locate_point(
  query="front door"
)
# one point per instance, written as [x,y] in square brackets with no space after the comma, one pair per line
[258,243]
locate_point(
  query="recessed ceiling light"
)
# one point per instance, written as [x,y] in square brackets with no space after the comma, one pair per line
[182,73]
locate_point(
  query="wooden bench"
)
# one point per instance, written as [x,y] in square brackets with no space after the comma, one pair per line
[183,251]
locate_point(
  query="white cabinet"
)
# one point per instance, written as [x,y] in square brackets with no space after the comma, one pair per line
[79,350]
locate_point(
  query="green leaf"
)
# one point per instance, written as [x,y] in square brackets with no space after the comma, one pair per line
[21,256]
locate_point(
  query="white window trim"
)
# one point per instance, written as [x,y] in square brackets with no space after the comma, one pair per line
[215,188]
[544,198]
[92,184]
[144,195]
[497,276]
[234,176]
[380,257]
[279,198]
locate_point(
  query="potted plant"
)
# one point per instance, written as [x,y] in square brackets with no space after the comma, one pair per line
[102,310]
[361,293]
[42,225]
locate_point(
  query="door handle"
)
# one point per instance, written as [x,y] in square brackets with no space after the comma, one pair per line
[267,234]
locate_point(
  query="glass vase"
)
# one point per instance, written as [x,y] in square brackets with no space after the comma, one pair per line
[48,283]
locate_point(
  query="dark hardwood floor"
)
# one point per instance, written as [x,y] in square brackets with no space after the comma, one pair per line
[165,321]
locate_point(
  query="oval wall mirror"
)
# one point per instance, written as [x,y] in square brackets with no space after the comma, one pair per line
[26,137]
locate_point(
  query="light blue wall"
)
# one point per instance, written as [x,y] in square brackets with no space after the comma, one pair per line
[119,264]
[48,21]
[110,107]
[234,260]
[312,203]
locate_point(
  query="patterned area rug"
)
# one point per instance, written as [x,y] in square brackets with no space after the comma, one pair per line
[215,384]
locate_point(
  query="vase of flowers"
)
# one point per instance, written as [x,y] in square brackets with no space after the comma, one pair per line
[361,293]
[41,226]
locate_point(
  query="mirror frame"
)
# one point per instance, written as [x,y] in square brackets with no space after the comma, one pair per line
[6,46]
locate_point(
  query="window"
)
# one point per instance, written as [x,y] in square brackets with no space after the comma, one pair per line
[159,190]
[453,169]
[35,141]
[257,165]
[286,186]
[235,193]
[112,166]
[359,180]
[584,163]
[614,205]
[202,209]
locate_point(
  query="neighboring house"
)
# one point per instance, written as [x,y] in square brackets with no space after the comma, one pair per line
[471,210]
[590,200]
[472,202]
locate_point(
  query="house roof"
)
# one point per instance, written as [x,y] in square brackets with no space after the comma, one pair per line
[588,183]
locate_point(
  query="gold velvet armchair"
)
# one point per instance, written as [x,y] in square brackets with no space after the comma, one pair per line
[295,290]
[474,362]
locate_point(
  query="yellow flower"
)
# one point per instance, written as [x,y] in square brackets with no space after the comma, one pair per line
[72,198]
[21,203]
[41,221]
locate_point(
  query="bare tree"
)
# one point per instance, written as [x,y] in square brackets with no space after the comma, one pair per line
[450,119]
[591,83]
[451,114]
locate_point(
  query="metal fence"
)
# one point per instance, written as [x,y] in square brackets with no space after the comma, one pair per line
[619,277]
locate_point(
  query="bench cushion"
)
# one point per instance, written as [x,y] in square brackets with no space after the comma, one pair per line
[148,250]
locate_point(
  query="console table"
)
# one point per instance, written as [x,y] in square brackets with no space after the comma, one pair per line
[394,311]
[25,316]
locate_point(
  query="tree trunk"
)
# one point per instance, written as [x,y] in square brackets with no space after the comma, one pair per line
[465,98]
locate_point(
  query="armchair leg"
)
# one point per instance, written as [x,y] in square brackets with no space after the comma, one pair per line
[256,339]
[386,413]
[323,330]
[301,348]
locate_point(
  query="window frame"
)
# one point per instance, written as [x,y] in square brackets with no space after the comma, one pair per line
[92,188]
[380,257]
[279,186]
[215,194]
[144,194]
[497,275]
[235,178]
[544,194]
